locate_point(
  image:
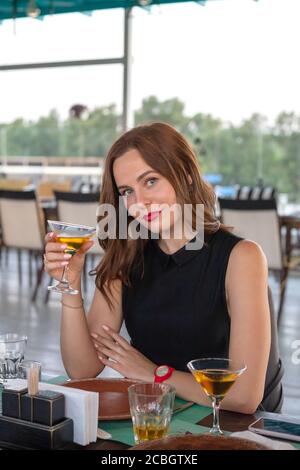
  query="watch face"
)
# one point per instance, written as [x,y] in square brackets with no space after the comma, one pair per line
[162,370]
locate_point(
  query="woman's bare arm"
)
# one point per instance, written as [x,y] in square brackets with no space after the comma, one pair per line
[250,332]
[78,353]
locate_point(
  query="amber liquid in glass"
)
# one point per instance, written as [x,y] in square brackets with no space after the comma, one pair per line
[73,243]
[149,432]
[215,382]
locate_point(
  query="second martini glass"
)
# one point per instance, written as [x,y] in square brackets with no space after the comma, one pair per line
[216,376]
[74,236]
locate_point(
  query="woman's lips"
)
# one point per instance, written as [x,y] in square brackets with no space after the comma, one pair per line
[151,216]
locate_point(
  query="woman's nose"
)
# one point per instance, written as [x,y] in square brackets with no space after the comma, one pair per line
[141,198]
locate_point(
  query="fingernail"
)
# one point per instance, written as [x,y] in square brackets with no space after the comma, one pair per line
[67,256]
[63,246]
[94,335]
[101,358]
[105,327]
[51,234]
[96,345]
[64,263]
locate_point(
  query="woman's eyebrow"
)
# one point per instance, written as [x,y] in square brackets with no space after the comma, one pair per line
[138,178]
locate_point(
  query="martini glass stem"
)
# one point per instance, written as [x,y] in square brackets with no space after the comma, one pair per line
[64,280]
[216,419]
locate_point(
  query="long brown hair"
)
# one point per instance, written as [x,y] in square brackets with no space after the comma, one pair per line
[167,152]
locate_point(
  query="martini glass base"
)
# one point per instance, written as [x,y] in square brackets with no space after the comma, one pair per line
[216,432]
[61,288]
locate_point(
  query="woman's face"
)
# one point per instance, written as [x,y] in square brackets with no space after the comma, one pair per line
[147,194]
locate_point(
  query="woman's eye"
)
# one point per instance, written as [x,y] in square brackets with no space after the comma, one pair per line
[126,192]
[152,181]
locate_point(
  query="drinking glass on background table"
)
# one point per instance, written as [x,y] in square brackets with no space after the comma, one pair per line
[151,406]
[74,236]
[216,376]
[12,350]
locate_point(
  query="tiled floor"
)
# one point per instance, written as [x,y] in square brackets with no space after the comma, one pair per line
[41,323]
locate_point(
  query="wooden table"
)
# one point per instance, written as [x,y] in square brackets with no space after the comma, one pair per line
[229,421]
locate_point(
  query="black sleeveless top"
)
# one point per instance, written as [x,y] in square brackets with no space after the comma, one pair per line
[178,311]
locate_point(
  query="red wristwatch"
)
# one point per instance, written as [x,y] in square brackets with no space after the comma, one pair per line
[162,373]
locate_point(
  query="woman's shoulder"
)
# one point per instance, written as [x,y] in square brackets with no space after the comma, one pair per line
[237,249]
[247,253]
[248,248]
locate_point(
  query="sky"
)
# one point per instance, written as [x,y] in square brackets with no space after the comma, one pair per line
[229,58]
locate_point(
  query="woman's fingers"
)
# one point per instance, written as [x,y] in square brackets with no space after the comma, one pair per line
[50,236]
[57,256]
[109,353]
[100,341]
[56,247]
[116,337]
[85,247]
[58,265]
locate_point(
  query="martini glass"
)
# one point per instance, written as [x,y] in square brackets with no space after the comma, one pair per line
[74,236]
[216,376]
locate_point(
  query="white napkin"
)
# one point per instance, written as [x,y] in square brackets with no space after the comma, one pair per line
[271,443]
[80,405]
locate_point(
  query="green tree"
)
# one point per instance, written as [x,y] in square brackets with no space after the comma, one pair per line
[170,111]
[45,135]
[93,136]
[287,135]
[241,153]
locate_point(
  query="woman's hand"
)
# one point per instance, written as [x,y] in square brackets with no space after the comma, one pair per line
[115,352]
[55,259]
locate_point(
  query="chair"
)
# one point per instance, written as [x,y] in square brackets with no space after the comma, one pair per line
[14,184]
[256,193]
[244,192]
[46,189]
[273,396]
[23,229]
[258,220]
[268,192]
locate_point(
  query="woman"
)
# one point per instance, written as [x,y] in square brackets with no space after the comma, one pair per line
[178,304]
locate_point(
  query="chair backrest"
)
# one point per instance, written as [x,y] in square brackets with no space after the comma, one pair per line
[46,189]
[273,396]
[79,208]
[21,223]
[257,221]
[244,192]
[256,193]
[268,192]
[14,184]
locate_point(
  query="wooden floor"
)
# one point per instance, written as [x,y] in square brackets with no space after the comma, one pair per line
[40,322]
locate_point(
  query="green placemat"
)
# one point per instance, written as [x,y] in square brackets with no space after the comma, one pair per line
[60,379]
[121,431]
[182,422]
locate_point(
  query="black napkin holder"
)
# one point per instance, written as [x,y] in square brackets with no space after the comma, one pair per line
[46,407]
[28,435]
[11,402]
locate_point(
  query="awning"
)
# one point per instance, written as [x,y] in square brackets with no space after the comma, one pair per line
[22,8]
